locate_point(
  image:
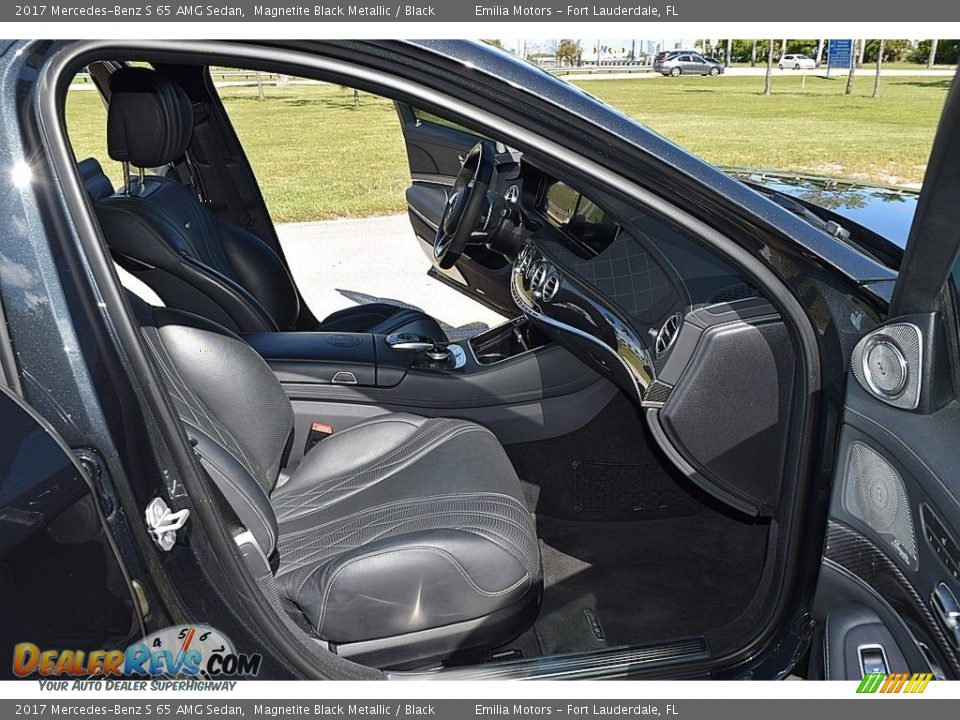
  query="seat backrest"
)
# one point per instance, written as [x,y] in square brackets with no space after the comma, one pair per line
[161,231]
[232,407]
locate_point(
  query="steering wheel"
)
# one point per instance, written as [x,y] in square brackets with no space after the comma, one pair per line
[465,204]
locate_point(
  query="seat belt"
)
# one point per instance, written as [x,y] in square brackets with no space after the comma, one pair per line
[212,141]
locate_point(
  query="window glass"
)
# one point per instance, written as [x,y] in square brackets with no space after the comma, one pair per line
[424,116]
[87,126]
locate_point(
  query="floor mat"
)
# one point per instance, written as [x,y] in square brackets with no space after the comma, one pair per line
[608,584]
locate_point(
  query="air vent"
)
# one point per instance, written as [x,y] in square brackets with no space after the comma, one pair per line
[539,276]
[523,259]
[531,264]
[668,333]
[550,287]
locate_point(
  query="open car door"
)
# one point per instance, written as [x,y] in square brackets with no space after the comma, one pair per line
[64,584]
[887,600]
[436,149]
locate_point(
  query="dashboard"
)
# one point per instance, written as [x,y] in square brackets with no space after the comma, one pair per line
[700,351]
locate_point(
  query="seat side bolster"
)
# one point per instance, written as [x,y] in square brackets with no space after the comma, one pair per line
[262,273]
[411,582]
[241,490]
[139,243]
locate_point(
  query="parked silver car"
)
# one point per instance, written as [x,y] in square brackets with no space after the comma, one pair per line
[686,62]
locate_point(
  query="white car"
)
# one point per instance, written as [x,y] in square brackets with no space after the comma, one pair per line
[797,61]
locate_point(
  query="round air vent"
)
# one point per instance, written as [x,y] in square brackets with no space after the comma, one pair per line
[550,287]
[539,276]
[523,259]
[668,333]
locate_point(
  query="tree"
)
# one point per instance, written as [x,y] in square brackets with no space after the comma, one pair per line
[767,81]
[753,54]
[853,67]
[729,48]
[893,50]
[568,51]
[932,57]
[260,96]
[946,52]
[493,41]
[783,48]
[820,45]
[876,78]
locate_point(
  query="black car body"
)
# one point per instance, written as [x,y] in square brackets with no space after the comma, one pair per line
[756,401]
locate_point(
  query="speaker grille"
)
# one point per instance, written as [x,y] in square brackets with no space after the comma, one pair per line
[887,364]
[874,493]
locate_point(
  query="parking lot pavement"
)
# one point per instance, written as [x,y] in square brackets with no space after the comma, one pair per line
[339,263]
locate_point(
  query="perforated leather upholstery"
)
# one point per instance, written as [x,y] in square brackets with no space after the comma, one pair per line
[394,527]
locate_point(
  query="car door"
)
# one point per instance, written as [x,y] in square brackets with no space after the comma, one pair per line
[435,151]
[887,599]
[698,64]
[62,585]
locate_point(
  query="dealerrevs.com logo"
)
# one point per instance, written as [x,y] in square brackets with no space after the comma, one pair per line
[183,651]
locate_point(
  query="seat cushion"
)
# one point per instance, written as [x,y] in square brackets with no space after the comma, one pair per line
[401,524]
[382,319]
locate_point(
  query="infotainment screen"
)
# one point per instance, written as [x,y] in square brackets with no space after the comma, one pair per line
[578,216]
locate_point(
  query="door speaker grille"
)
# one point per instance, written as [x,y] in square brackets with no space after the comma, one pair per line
[874,493]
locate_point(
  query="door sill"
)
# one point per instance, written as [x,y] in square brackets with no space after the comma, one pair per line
[600,664]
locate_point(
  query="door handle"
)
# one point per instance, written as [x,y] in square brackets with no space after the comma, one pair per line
[947,610]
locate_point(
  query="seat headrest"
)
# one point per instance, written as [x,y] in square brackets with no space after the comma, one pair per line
[95,181]
[149,120]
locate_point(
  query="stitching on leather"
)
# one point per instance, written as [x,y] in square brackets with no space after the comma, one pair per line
[403,456]
[521,525]
[226,438]
[224,281]
[508,525]
[415,548]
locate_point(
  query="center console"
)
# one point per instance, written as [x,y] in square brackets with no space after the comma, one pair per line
[510,378]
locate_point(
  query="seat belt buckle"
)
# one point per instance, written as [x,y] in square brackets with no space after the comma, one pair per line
[318,431]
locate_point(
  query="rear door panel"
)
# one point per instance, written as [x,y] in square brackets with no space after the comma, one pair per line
[61,582]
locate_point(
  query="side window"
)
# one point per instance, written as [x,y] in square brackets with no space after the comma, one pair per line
[319,151]
[422,116]
[87,125]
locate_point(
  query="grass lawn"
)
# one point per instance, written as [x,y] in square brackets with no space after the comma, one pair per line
[317,156]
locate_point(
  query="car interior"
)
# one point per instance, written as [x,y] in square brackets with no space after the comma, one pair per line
[609,471]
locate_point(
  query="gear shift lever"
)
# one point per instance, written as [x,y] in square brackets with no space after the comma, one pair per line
[410,341]
[418,343]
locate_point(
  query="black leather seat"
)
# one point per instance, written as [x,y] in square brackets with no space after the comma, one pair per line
[401,538]
[160,230]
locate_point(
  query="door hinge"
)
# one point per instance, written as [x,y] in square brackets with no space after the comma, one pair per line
[164,523]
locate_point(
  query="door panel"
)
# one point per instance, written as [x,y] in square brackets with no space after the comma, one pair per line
[60,578]
[435,150]
[895,508]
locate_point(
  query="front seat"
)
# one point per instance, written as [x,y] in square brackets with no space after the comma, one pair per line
[159,230]
[398,540]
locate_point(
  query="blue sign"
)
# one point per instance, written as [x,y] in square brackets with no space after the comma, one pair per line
[839,53]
